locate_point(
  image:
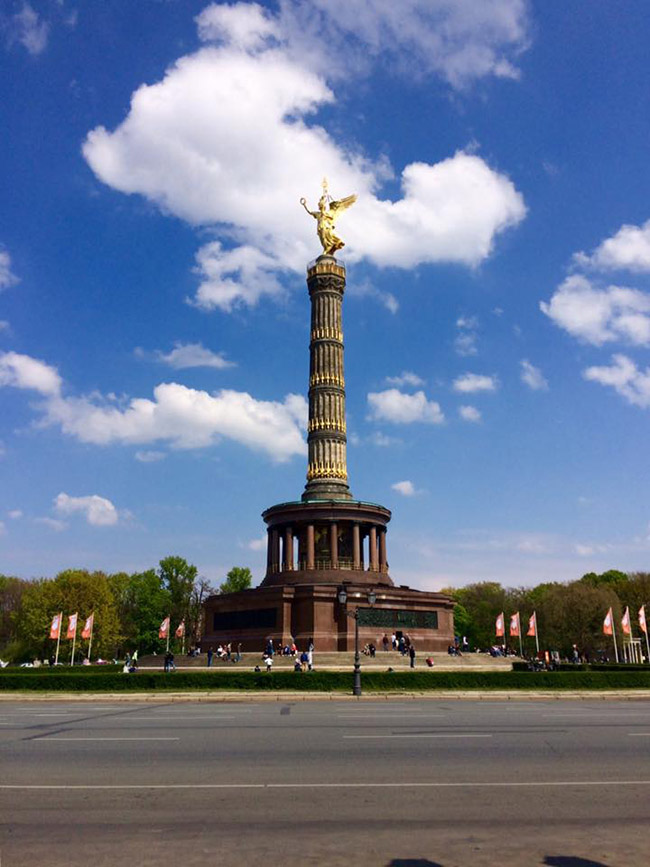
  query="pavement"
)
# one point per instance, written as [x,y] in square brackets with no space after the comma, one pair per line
[376,781]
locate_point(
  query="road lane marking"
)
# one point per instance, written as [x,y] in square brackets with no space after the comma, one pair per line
[153,719]
[528,784]
[638,735]
[48,739]
[415,735]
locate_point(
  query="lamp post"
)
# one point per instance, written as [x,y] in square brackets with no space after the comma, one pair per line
[343,598]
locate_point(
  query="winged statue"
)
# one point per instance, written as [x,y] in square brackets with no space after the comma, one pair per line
[328,211]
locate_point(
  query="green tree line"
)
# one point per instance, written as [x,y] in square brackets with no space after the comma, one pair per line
[128,609]
[567,613]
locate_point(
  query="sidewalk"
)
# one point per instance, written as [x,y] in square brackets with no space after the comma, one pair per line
[292,697]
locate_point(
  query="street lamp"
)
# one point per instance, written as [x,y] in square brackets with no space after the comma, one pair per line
[343,598]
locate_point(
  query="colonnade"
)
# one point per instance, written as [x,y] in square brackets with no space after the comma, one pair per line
[281,549]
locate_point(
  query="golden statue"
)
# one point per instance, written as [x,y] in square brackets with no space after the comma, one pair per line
[327,212]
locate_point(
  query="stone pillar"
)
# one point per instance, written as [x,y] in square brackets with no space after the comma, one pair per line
[275,551]
[383,565]
[269,551]
[334,545]
[288,549]
[374,565]
[356,546]
[311,553]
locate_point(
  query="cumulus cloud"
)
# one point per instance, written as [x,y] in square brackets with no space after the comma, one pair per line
[532,376]
[14,514]
[407,377]
[600,316]
[227,140]
[469,383]
[368,290]
[628,249]
[52,523]
[23,371]
[184,418]
[465,342]
[7,277]
[186,355]
[394,406]
[98,511]
[149,456]
[28,29]
[469,413]
[405,488]
[624,377]
[258,544]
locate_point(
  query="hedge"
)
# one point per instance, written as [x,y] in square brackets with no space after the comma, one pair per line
[324,681]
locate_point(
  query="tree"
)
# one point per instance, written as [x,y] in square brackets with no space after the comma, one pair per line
[11,593]
[177,577]
[146,605]
[239,578]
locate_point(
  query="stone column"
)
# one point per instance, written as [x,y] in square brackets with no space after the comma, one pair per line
[356,547]
[288,549]
[334,545]
[275,551]
[383,566]
[269,551]
[311,553]
[374,565]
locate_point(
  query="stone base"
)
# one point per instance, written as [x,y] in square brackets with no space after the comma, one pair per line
[301,612]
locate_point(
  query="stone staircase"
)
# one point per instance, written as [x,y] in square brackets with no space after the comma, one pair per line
[344,661]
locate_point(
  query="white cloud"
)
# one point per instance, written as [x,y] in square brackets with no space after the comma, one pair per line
[368,290]
[7,277]
[23,371]
[600,316]
[52,523]
[394,406]
[28,29]
[382,441]
[3,528]
[628,249]
[98,511]
[624,377]
[14,514]
[465,342]
[469,413]
[185,418]
[469,383]
[4,325]
[186,355]
[149,457]
[588,550]
[532,376]
[258,544]
[225,140]
[406,488]
[407,377]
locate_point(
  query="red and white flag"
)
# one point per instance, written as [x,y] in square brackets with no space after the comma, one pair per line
[532,624]
[500,626]
[55,626]
[514,625]
[72,625]
[626,623]
[87,631]
[608,623]
[643,626]
[180,629]
[163,632]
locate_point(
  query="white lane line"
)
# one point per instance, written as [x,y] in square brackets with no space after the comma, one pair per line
[48,740]
[415,735]
[588,715]
[528,784]
[638,734]
[150,719]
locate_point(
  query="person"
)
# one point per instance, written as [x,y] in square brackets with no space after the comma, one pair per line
[304,658]
[210,655]
[297,666]
[385,642]
[269,647]
[412,654]
[372,650]
[310,658]
[238,656]
[269,663]
[310,644]
[393,640]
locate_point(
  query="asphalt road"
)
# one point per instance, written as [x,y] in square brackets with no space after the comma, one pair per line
[395,782]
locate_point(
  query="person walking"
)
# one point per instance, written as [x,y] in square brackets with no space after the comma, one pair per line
[412,654]
[210,655]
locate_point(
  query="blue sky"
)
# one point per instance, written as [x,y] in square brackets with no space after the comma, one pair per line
[154,315]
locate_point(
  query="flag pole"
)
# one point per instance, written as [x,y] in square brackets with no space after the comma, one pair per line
[58,640]
[536,635]
[647,644]
[169,629]
[521,648]
[74,641]
[90,643]
[614,637]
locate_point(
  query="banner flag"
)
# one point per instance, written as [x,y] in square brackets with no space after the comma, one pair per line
[163,632]
[608,623]
[500,626]
[532,624]
[72,625]
[55,626]
[88,626]
[626,623]
[643,626]
[180,630]
[514,625]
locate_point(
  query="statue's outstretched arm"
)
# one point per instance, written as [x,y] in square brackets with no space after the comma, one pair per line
[313,214]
